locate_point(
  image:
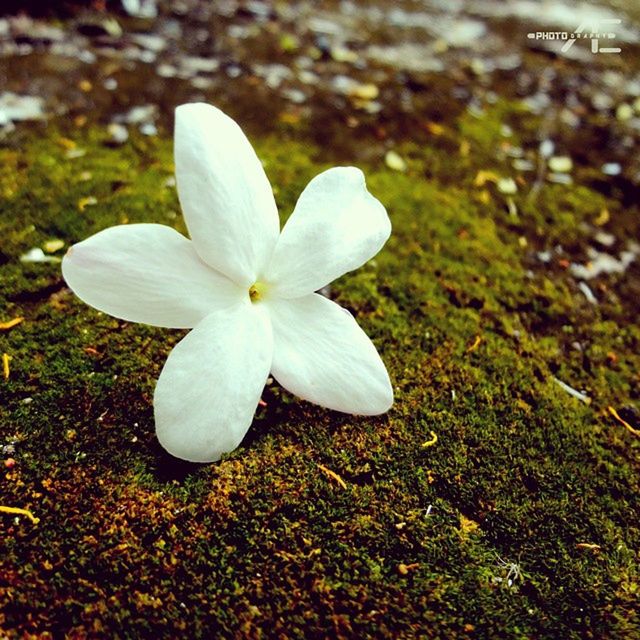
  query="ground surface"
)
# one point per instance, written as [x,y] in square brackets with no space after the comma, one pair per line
[492,501]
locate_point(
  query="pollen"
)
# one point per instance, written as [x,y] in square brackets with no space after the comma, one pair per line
[257,291]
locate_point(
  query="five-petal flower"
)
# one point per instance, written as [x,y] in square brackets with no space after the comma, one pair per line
[245,289]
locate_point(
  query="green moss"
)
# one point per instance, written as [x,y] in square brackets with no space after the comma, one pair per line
[132,543]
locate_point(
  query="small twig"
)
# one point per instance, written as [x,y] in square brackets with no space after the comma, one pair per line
[432,441]
[333,475]
[16,511]
[475,345]
[573,392]
[627,426]
[5,365]
[5,326]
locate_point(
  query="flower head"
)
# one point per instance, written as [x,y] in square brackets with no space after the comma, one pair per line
[245,288]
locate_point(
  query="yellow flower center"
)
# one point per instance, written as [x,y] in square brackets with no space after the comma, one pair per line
[257,291]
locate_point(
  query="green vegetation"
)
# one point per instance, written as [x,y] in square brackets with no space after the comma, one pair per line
[483,461]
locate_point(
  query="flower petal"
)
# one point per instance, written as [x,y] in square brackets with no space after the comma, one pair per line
[225,195]
[211,383]
[336,227]
[147,273]
[321,354]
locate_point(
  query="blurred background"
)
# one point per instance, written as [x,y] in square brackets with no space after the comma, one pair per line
[386,71]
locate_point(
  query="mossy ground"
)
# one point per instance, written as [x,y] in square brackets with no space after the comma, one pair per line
[483,460]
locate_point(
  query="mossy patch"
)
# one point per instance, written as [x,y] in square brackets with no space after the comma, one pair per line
[488,502]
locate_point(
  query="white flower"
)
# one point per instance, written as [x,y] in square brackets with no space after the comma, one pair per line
[245,288]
